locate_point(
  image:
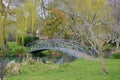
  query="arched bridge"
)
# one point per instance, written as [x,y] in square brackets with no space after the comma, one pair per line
[72,48]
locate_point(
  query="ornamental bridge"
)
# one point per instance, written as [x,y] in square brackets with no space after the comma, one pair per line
[70,47]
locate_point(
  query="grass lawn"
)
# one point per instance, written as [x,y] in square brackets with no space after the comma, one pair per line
[12,44]
[77,70]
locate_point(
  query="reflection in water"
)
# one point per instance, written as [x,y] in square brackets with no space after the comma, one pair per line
[61,60]
[65,59]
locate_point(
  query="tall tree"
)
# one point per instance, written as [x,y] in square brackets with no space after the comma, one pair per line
[115,4]
[30,11]
[89,18]
[7,16]
[4,13]
[54,24]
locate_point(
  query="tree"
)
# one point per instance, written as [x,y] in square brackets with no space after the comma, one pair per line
[7,17]
[54,23]
[115,4]
[31,14]
[4,13]
[26,16]
[89,20]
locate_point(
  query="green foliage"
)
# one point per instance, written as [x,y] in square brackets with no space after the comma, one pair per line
[30,15]
[14,50]
[5,21]
[27,40]
[3,53]
[55,23]
[116,55]
[25,20]
[18,51]
[11,52]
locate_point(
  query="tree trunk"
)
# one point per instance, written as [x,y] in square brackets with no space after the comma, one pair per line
[4,45]
[117,44]
[99,52]
[103,65]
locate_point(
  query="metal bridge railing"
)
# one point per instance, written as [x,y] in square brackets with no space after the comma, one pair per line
[59,43]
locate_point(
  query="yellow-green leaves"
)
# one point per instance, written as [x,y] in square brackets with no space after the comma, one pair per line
[55,23]
[31,14]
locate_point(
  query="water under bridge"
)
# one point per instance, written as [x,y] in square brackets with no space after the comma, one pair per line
[70,47]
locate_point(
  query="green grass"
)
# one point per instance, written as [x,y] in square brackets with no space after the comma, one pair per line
[77,70]
[12,44]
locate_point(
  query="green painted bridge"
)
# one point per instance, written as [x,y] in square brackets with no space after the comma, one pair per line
[72,48]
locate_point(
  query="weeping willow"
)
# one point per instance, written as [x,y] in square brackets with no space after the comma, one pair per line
[3,25]
[1,29]
[26,20]
[30,9]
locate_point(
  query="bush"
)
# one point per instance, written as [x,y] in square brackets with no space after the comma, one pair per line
[3,53]
[19,51]
[11,52]
[116,55]
[27,40]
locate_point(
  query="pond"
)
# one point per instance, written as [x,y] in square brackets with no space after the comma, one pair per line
[53,56]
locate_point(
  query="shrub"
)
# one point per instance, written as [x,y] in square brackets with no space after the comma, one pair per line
[11,52]
[3,53]
[27,40]
[116,55]
[19,51]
